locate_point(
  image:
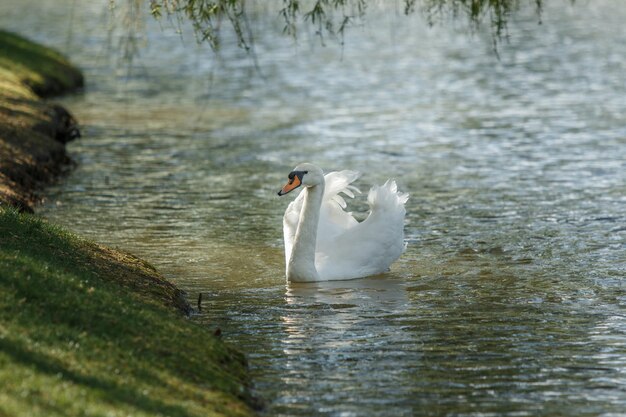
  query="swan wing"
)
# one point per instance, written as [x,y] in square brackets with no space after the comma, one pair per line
[368,247]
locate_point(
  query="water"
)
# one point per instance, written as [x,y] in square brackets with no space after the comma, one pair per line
[510,298]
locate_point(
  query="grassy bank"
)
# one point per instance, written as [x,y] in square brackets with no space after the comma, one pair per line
[32,132]
[45,71]
[86,330]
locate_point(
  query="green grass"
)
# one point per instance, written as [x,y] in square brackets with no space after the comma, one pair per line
[43,69]
[89,331]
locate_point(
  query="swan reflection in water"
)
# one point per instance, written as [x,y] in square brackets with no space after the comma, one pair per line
[341,314]
[342,334]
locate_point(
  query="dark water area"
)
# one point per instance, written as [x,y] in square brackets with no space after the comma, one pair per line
[510,299]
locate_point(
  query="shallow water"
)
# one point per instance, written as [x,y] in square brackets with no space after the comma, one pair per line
[510,298]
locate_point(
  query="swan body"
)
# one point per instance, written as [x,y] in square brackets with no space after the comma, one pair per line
[323,242]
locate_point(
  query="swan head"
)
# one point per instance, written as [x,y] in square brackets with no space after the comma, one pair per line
[305,174]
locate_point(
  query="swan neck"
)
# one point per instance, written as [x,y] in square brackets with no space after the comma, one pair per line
[301,265]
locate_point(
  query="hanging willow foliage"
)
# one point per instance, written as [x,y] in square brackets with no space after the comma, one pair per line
[330,17]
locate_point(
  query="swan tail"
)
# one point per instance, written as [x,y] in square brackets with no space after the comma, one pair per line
[387,197]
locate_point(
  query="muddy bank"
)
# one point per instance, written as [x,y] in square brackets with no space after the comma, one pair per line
[33,132]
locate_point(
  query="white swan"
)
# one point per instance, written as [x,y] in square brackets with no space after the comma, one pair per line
[323,242]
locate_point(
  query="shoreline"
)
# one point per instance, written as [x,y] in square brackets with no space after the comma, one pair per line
[209,377]
[33,132]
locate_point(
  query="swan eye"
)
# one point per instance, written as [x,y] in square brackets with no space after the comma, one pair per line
[294,174]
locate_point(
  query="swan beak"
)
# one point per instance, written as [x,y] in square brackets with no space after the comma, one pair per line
[293,183]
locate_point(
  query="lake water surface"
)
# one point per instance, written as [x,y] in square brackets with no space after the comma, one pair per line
[510,299]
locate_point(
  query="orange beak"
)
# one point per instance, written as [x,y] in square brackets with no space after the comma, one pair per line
[293,183]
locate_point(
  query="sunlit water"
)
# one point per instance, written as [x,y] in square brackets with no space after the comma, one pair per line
[510,298]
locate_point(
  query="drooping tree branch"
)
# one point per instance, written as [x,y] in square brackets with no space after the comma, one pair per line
[330,18]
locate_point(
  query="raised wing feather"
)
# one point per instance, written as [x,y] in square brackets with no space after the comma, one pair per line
[334,220]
